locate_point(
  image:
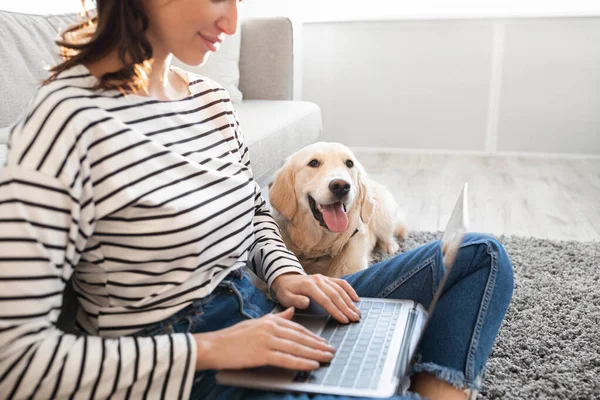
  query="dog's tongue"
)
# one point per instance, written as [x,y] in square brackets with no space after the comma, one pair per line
[335,217]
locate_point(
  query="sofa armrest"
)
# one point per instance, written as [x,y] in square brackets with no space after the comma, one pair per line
[267,59]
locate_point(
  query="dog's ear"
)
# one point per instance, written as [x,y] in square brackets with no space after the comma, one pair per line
[365,195]
[282,192]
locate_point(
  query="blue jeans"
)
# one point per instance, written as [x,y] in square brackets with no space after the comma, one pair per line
[455,345]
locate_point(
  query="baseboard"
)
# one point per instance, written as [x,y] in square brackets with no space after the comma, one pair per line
[479,153]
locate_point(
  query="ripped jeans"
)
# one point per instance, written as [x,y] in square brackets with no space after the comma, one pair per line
[455,345]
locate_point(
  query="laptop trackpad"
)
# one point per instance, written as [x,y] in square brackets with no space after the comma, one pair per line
[313,318]
[312,323]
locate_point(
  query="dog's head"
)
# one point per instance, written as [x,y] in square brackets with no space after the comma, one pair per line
[324,180]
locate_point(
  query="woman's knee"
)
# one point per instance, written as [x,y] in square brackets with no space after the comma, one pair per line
[495,257]
[505,279]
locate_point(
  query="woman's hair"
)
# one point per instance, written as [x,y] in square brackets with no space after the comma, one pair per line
[116,25]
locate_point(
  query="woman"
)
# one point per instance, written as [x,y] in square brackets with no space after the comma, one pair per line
[132,177]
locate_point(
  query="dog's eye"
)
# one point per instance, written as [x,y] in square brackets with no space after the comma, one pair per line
[349,163]
[313,163]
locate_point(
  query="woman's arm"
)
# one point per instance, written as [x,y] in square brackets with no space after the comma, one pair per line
[269,256]
[43,230]
[47,213]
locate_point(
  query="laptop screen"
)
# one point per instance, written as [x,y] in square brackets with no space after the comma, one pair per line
[451,240]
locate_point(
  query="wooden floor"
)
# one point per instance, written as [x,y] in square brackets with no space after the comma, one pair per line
[547,198]
[527,196]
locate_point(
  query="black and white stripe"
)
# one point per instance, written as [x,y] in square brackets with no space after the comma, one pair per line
[148,205]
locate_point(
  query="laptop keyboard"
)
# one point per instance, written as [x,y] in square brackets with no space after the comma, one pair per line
[361,348]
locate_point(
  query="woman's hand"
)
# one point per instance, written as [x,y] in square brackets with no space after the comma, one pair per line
[335,295]
[272,340]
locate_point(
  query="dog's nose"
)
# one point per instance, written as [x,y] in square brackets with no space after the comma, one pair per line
[339,187]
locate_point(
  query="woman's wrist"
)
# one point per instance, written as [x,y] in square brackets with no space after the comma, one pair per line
[204,351]
[276,283]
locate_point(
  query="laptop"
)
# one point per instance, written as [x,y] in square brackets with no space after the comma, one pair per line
[373,356]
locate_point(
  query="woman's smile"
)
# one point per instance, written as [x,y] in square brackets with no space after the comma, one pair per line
[212,43]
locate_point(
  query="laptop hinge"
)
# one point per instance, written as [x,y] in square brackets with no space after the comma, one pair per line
[405,357]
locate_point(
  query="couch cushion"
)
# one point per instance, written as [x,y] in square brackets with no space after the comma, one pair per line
[3,151]
[26,49]
[273,130]
[4,134]
[3,147]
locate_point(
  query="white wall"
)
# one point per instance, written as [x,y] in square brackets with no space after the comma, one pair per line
[468,75]
[360,10]
[483,85]
[550,87]
[268,8]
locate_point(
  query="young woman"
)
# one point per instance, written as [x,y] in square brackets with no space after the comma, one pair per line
[132,178]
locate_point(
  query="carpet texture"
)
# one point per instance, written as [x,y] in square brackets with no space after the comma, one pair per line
[549,344]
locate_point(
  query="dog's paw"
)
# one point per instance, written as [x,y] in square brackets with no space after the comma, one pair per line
[391,247]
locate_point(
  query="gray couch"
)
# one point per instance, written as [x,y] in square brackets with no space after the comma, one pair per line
[273,126]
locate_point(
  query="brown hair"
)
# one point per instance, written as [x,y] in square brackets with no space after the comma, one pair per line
[116,24]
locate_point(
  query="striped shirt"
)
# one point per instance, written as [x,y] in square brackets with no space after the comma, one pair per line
[147,205]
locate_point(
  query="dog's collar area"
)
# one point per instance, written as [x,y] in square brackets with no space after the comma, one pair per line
[316,259]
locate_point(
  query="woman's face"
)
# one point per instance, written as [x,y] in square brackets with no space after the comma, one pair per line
[190,29]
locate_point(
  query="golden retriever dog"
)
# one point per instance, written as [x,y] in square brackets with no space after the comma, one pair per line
[331,215]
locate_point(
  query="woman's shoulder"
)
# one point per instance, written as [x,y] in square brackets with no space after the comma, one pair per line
[70,90]
[76,80]
[52,115]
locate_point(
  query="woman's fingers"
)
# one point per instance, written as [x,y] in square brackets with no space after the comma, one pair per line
[300,350]
[295,347]
[288,313]
[347,287]
[323,299]
[338,301]
[334,295]
[344,296]
[286,321]
[312,341]
[285,360]
[304,332]
[296,300]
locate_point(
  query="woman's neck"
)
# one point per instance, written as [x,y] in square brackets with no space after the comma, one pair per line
[163,84]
